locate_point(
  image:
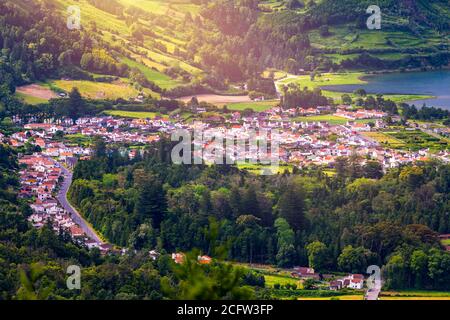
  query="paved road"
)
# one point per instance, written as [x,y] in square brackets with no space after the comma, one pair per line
[62,198]
[375,291]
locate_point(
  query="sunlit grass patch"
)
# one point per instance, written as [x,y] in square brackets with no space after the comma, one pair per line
[132,114]
[101,90]
[258,106]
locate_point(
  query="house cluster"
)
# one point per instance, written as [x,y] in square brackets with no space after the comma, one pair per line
[40,177]
[41,135]
[306,143]
[359,114]
[352,281]
[301,143]
[122,130]
[305,272]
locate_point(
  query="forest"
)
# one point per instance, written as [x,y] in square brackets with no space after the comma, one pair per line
[34,262]
[237,41]
[345,222]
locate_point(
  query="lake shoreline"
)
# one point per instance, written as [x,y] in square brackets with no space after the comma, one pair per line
[423,87]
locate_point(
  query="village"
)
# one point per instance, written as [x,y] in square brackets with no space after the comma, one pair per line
[302,144]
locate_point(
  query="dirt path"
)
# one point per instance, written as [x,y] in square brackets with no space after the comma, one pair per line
[36,90]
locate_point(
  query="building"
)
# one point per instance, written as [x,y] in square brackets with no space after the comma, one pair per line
[305,272]
[204,259]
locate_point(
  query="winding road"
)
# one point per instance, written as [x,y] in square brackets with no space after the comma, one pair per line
[76,216]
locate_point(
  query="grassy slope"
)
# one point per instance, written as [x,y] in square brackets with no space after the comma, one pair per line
[99,90]
[148,58]
[159,78]
[30,99]
[345,37]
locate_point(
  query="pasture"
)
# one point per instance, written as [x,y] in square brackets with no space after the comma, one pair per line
[159,78]
[258,106]
[100,90]
[131,114]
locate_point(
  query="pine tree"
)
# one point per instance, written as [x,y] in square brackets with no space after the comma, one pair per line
[76,104]
[291,207]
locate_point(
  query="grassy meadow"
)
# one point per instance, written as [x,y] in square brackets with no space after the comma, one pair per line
[132,114]
[100,90]
[258,106]
[30,99]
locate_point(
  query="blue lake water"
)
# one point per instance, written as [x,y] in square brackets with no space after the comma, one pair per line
[432,83]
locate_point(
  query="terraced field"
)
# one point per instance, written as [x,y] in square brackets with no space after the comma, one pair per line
[146,56]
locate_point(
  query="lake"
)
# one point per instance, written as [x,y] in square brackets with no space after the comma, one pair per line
[432,83]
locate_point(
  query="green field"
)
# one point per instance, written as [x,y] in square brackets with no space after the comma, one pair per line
[160,79]
[416,140]
[259,106]
[272,279]
[408,140]
[415,295]
[258,169]
[383,138]
[30,99]
[331,119]
[132,114]
[100,90]
[78,139]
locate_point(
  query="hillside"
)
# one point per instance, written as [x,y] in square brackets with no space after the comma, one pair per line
[178,48]
[414,34]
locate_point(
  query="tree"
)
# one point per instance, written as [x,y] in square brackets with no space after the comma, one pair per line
[286,240]
[360,92]
[439,268]
[76,105]
[324,31]
[341,165]
[412,176]
[291,206]
[295,4]
[355,260]
[419,267]
[99,147]
[346,99]
[395,272]
[151,202]
[317,255]
[373,170]
[205,282]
